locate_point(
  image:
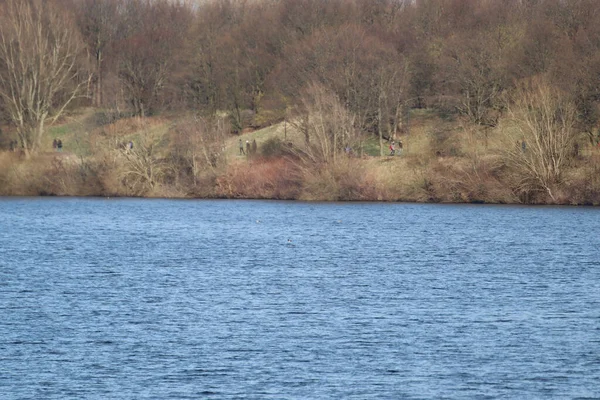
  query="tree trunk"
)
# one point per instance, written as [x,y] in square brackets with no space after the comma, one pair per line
[98,95]
[381,152]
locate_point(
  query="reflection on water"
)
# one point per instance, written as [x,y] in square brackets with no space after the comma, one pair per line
[246,299]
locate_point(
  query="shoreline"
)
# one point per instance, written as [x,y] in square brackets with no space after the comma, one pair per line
[362,201]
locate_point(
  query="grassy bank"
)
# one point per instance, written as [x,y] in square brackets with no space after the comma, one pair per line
[441,161]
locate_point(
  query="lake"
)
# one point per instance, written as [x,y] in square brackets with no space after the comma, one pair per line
[197,299]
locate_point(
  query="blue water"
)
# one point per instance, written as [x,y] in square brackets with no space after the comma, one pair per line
[164,299]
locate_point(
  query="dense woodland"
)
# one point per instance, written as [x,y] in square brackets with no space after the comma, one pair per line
[507,95]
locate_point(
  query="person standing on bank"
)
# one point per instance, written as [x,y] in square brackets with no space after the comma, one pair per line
[242,148]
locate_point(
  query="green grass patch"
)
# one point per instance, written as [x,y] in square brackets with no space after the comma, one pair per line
[58,131]
[371,146]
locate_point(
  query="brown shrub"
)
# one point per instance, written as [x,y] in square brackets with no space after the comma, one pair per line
[401,178]
[259,179]
[344,181]
[466,181]
[50,175]
[582,183]
[7,161]
[205,186]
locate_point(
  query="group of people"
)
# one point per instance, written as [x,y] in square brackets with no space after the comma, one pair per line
[250,148]
[393,148]
[13,146]
[57,145]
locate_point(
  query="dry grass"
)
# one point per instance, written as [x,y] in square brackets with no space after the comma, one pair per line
[46,174]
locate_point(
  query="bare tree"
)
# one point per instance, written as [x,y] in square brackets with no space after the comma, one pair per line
[144,165]
[206,51]
[474,74]
[364,72]
[97,22]
[540,136]
[151,37]
[40,72]
[328,125]
[199,144]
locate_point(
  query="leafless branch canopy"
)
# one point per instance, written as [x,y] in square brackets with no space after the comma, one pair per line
[39,66]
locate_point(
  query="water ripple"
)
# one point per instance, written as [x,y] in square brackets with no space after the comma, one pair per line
[168,299]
